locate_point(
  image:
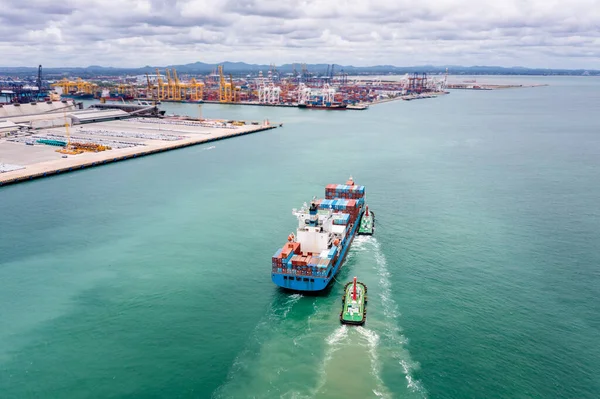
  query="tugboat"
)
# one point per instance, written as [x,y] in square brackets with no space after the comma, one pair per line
[367,223]
[354,303]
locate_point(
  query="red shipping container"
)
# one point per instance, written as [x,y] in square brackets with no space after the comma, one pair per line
[296,247]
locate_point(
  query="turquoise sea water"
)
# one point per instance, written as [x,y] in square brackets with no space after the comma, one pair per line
[151,277]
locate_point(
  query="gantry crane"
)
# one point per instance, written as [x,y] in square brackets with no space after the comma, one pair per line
[235,91]
[176,86]
[224,88]
[160,86]
[150,90]
[170,85]
[65,84]
[196,90]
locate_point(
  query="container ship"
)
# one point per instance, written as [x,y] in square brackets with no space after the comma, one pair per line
[328,106]
[315,253]
[114,96]
[79,95]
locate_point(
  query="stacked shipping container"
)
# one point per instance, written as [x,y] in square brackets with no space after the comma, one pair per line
[346,202]
[342,191]
[298,264]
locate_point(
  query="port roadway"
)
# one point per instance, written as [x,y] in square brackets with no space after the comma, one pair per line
[92,159]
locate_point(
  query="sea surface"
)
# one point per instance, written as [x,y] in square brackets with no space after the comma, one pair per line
[150,278]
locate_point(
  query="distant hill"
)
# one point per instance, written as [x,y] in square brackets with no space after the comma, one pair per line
[241,68]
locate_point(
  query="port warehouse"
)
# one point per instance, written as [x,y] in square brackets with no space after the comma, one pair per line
[54,114]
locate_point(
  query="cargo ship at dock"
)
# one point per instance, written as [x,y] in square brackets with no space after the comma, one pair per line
[108,95]
[78,95]
[313,255]
[332,107]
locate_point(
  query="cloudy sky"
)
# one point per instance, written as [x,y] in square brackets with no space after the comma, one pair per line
[129,33]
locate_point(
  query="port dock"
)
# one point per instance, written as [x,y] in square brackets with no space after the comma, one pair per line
[27,155]
[485,86]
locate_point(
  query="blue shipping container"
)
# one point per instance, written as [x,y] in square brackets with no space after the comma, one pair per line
[332,252]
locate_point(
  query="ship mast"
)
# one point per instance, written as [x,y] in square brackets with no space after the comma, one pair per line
[354,290]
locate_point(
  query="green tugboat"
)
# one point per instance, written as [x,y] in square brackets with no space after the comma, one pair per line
[354,303]
[367,223]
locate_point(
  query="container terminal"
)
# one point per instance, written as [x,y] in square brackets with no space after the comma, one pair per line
[43,139]
[332,90]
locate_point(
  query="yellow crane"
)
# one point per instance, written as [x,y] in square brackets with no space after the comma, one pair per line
[150,90]
[235,91]
[224,88]
[66,85]
[180,88]
[174,85]
[68,149]
[85,87]
[170,85]
[196,90]
[160,86]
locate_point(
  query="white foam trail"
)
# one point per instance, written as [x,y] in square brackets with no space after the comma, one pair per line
[360,243]
[373,344]
[391,312]
[334,341]
[414,385]
[337,336]
[315,313]
[289,304]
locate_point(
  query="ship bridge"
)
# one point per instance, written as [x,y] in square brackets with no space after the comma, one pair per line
[314,231]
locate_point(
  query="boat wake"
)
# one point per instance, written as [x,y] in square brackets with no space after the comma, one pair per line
[353,344]
[381,338]
[270,354]
[372,343]
[299,349]
[390,330]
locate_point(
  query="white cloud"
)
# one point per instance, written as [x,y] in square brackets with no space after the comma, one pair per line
[536,33]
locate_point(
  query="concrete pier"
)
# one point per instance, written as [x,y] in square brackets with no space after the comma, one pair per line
[128,138]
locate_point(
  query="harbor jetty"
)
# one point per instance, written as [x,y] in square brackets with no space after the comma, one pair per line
[75,140]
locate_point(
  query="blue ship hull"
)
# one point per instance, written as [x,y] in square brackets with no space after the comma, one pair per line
[314,283]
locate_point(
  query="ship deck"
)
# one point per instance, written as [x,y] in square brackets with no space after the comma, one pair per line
[354,318]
